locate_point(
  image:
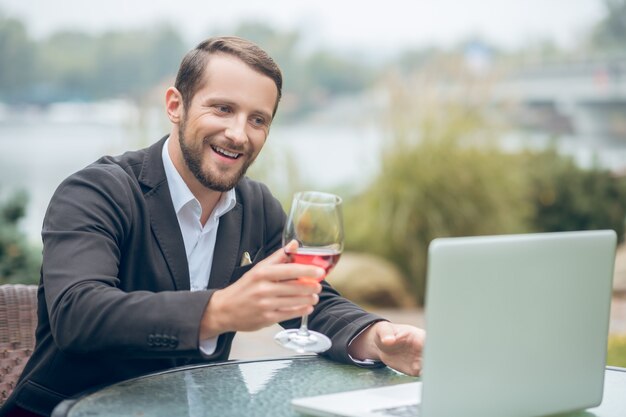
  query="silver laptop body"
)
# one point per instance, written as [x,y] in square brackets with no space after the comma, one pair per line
[516,326]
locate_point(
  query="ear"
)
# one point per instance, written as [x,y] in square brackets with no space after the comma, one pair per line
[174,105]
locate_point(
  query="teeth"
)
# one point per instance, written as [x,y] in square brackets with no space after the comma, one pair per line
[225,152]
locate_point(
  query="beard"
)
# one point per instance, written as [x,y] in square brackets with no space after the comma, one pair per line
[212,180]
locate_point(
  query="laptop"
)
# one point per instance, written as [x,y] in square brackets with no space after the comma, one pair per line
[516,326]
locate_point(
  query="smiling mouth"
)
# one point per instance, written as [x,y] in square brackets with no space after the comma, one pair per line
[224,152]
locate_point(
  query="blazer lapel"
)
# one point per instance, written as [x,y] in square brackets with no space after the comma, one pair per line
[226,248]
[163,217]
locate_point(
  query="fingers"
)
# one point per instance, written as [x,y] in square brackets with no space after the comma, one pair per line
[285,308]
[394,338]
[268,293]
[286,271]
[293,312]
[246,309]
[296,291]
[277,267]
[278,282]
[290,302]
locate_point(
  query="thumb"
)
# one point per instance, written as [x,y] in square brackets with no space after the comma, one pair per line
[291,246]
[280,256]
[386,333]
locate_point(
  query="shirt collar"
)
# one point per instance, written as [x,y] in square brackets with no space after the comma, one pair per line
[182,195]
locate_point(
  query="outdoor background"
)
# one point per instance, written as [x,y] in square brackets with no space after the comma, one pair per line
[430,119]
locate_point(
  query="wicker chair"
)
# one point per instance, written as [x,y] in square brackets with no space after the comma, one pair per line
[18,319]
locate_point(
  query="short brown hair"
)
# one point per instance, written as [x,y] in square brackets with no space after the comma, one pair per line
[190,74]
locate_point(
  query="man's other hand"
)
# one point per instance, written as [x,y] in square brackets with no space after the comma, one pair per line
[399,346]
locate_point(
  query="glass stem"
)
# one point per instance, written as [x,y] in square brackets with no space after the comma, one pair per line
[304,330]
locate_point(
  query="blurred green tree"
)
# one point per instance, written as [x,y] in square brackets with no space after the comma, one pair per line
[310,79]
[442,175]
[334,74]
[18,57]
[70,65]
[281,45]
[66,65]
[610,31]
[567,197]
[19,262]
[129,63]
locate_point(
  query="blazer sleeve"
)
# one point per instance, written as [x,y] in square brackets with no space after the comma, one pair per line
[86,229]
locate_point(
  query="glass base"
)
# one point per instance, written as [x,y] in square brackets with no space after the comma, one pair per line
[295,339]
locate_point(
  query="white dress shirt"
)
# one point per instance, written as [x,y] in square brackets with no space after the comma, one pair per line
[199,239]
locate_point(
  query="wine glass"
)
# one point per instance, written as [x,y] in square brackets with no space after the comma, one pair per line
[315,222]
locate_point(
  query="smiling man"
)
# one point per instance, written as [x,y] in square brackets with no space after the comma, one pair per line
[142,262]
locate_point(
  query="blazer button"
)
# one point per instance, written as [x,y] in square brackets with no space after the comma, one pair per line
[174,342]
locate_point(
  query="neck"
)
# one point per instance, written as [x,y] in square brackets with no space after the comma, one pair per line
[208,198]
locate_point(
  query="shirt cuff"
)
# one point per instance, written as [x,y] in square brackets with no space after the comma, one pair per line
[364,362]
[207,346]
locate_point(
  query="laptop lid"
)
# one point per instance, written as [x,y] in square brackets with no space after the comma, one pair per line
[517,325]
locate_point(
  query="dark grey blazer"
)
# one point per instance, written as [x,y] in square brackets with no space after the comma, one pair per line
[114,299]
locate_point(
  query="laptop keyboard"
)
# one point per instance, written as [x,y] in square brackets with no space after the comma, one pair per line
[411,410]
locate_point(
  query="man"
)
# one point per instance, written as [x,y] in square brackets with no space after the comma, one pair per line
[142,262]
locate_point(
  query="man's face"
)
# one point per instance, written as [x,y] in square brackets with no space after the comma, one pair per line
[226,124]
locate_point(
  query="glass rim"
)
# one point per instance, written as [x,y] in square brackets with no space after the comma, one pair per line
[332,198]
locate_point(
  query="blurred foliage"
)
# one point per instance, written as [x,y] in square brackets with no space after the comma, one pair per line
[441,176]
[18,58]
[311,79]
[77,66]
[72,65]
[567,197]
[19,263]
[617,351]
[610,33]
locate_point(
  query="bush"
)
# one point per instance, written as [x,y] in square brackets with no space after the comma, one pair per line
[617,351]
[444,175]
[19,263]
[567,197]
[441,175]
[432,190]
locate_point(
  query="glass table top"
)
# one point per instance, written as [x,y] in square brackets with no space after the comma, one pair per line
[264,388]
[242,388]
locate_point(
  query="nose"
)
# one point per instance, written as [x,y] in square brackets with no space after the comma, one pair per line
[236,131]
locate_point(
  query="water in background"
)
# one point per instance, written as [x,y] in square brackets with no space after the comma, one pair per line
[41,148]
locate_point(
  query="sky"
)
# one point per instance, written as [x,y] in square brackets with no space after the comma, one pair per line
[345,24]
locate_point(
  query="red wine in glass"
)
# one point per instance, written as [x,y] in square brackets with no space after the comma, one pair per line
[315,222]
[324,258]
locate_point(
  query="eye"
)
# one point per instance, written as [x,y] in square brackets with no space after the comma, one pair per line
[222,108]
[258,121]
